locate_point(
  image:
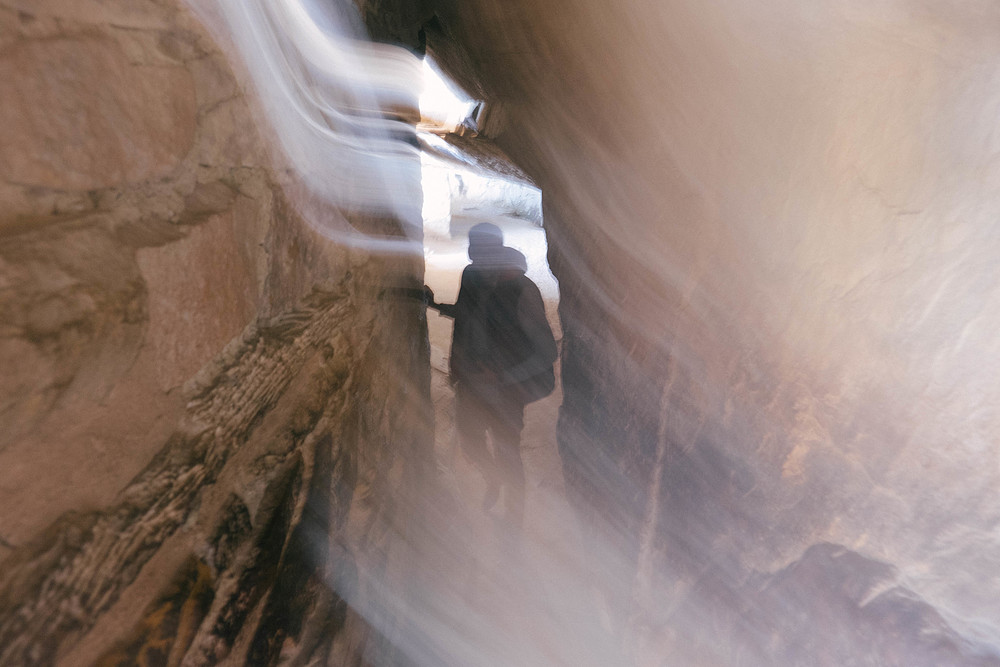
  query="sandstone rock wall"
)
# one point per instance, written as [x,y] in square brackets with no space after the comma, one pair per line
[774,233]
[196,383]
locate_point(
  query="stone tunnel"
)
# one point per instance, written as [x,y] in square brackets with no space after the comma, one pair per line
[225,432]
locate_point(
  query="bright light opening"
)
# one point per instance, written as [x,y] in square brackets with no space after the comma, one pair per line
[456,197]
[443,105]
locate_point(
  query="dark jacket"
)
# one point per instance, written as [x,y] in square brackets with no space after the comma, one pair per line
[470,344]
[501,334]
[522,344]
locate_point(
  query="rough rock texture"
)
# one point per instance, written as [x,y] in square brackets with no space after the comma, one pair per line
[774,230]
[199,390]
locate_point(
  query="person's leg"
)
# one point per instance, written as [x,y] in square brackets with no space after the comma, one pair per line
[506,423]
[472,419]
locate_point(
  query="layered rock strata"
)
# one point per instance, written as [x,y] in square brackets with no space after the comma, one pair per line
[200,390]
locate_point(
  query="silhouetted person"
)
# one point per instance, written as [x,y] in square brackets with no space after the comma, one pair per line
[501,359]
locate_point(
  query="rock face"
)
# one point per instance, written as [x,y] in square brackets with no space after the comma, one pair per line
[774,231]
[63,132]
[196,383]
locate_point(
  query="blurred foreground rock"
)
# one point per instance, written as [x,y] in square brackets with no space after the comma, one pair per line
[774,229]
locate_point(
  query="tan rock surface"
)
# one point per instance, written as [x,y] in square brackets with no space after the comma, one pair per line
[79,115]
[774,230]
[189,365]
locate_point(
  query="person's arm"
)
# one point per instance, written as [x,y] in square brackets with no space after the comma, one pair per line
[429,299]
[447,309]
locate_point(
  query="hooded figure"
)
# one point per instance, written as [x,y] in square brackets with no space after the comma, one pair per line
[502,355]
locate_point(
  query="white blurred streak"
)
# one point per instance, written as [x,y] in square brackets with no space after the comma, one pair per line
[342,110]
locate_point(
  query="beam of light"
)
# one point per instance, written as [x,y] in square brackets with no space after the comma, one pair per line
[341,110]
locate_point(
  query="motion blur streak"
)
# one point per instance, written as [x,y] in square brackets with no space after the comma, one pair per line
[342,109]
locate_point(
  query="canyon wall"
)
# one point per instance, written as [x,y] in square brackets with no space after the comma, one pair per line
[202,394]
[775,233]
